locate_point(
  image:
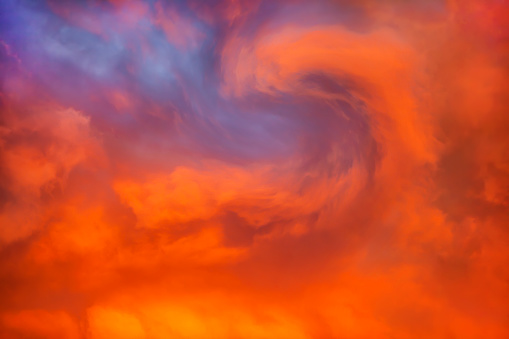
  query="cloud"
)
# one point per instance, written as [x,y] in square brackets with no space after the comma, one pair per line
[253,169]
[39,323]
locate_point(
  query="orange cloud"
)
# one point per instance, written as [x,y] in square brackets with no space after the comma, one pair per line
[254,170]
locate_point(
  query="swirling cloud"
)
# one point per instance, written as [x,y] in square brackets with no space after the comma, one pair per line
[254,169]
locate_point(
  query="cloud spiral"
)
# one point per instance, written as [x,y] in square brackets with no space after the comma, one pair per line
[254,169]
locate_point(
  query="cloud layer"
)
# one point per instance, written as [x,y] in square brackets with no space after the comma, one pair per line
[254,169]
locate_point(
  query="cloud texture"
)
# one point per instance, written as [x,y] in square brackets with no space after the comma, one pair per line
[254,169]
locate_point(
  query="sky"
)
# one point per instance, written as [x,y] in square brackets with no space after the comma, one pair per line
[289,169]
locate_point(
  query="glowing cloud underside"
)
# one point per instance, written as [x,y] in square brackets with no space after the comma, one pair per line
[254,169]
